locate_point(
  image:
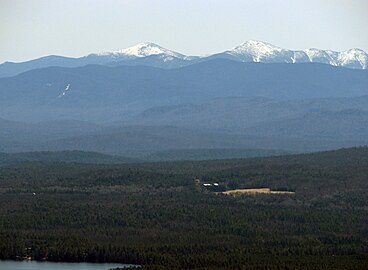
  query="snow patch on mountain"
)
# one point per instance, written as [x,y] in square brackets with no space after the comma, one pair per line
[63,93]
[353,57]
[320,56]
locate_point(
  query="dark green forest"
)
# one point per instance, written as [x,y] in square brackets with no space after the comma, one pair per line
[75,156]
[156,214]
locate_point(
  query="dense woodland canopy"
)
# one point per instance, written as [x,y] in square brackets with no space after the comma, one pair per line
[156,215]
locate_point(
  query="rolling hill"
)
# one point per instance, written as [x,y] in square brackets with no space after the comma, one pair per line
[7,159]
[99,93]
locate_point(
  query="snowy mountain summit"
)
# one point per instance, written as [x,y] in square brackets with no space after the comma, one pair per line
[249,51]
[147,49]
[258,51]
[153,55]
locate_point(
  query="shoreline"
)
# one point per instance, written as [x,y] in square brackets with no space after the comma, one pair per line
[30,259]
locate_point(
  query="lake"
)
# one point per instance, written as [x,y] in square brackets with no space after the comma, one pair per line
[33,265]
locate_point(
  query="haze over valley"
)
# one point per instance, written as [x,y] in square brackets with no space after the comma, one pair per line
[198,135]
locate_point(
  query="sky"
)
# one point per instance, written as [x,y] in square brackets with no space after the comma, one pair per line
[33,28]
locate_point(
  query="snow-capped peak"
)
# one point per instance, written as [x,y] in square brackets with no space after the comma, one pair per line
[321,56]
[255,46]
[147,49]
[255,49]
[258,51]
[249,51]
[354,57]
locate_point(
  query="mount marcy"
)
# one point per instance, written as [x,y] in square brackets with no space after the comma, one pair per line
[150,54]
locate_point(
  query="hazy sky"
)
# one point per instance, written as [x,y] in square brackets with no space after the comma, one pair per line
[34,28]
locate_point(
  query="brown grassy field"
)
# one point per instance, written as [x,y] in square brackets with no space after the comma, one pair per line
[256,191]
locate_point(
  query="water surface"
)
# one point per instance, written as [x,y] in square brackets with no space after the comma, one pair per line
[33,265]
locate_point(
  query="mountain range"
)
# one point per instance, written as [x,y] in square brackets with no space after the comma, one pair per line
[145,99]
[150,54]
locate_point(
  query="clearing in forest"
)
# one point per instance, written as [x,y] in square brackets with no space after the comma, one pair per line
[255,191]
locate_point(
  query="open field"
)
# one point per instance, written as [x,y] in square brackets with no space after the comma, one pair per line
[253,191]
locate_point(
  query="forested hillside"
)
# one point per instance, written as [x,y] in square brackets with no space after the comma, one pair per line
[158,216]
[63,156]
